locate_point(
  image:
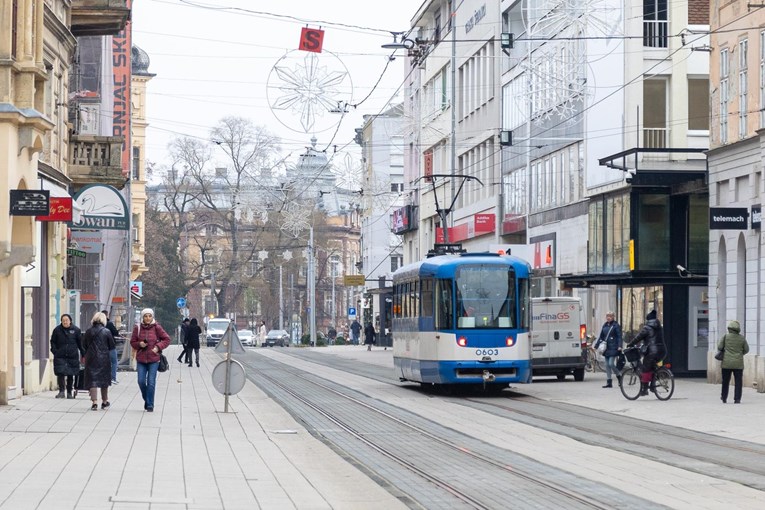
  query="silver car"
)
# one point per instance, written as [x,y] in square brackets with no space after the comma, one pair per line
[246,337]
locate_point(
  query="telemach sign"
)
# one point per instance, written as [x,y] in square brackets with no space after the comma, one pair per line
[728,218]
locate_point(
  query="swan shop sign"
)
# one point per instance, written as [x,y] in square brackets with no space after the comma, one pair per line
[103,207]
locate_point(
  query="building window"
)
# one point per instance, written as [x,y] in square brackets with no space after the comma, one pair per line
[437,27]
[14,22]
[655,23]
[698,104]
[743,86]
[396,261]
[724,92]
[655,114]
[136,163]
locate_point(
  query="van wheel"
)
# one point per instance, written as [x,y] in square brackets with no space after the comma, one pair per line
[579,374]
[561,377]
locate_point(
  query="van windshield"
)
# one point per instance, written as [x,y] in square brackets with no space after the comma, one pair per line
[218,324]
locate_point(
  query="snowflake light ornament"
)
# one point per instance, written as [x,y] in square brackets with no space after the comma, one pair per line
[551,18]
[349,173]
[295,219]
[309,86]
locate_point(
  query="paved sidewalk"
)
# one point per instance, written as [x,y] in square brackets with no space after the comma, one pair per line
[57,454]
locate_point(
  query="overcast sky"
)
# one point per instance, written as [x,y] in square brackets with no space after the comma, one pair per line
[212,63]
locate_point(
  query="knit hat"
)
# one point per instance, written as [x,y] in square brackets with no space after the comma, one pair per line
[145,311]
[734,326]
[651,315]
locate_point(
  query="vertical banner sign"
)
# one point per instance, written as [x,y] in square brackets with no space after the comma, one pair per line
[311,39]
[121,62]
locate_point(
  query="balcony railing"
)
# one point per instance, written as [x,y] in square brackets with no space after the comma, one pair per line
[99,17]
[655,33]
[96,160]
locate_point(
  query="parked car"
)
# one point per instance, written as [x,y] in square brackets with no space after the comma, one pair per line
[246,337]
[277,337]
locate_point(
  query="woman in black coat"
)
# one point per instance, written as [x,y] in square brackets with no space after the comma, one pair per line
[97,342]
[654,350]
[369,335]
[66,346]
[192,339]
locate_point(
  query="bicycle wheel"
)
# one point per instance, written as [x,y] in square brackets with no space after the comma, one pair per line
[589,364]
[665,383]
[630,384]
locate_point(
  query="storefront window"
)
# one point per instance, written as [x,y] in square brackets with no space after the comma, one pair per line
[636,302]
[698,233]
[609,230]
[653,232]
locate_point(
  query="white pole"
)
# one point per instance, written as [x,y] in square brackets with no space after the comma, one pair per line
[311,291]
[332,269]
[281,301]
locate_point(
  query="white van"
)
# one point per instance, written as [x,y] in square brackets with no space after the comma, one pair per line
[216,328]
[557,333]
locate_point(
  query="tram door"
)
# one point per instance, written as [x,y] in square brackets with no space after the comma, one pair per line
[384,337]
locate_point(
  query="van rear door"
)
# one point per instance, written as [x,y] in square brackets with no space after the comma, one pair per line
[555,336]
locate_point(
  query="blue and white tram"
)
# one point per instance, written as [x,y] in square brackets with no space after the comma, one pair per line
[463,319]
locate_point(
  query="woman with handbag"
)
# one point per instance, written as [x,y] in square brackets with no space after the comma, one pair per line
[733,346]
[609,344]
[149,340]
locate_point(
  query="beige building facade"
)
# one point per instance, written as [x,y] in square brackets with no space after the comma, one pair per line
[37,42]
[736,273]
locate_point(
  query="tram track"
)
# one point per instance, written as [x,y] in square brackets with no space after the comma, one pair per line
[651,441]
[724,458]
[331,403]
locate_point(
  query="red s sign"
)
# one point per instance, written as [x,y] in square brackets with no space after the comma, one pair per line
[311,39]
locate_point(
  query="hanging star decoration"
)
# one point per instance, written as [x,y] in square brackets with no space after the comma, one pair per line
[348,173]
[263,255]
[287,255]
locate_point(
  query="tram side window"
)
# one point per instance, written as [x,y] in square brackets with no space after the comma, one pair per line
[524,302]
[415,299]
[444,306]
[427,298]
[397,301]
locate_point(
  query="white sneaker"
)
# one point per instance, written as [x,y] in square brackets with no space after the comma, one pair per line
[115,381]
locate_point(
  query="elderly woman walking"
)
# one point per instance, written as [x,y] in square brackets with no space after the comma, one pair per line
[734,346]
[66,346]
[149,340]
[97,342]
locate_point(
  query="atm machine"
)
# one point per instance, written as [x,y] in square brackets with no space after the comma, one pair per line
[698,329]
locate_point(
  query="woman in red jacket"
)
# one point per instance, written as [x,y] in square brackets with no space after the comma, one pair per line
[149,340]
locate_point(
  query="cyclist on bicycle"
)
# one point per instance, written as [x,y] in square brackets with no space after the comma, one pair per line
[652,336]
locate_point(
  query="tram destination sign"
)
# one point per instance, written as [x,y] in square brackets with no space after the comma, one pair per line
[728,218]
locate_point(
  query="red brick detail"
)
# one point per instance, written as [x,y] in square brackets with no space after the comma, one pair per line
[698,12]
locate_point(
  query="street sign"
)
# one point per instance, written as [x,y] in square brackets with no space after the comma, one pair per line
[351,312]
[180,302]
[236,377]
[351,280]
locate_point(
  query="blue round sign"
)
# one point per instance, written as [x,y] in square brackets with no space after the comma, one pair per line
[180,302]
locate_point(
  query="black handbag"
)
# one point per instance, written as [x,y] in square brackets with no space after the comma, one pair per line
[163,364]
[721,353]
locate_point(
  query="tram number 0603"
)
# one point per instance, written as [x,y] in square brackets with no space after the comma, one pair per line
[487,352]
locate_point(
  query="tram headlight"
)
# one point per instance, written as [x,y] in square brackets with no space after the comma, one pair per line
[510,341]
[462,341]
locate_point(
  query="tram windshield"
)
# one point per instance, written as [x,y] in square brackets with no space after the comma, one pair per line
[486,297]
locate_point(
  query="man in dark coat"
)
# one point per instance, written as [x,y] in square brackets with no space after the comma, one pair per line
[66,346]
[97,342]
[355,331]
[652,336]
[185,356]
